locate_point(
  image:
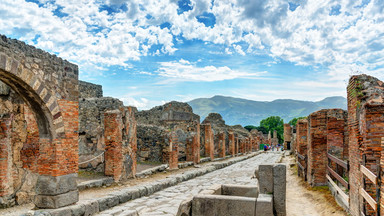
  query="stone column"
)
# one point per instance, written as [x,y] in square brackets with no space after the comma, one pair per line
[173,151]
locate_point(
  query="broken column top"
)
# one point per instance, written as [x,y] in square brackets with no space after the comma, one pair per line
[368,89]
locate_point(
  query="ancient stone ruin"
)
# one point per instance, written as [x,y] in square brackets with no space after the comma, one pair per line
[52,125]
[342,149]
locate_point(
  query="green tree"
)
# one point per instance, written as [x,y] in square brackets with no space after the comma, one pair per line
[274,123]
[293,122]
[250,127]
[259,128]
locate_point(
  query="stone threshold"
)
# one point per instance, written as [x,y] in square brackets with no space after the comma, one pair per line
[94,206]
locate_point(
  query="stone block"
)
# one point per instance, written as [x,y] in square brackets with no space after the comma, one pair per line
[240,190]
[185,208]
[55,185]
[56,201]
[265,174]
[264,205]
[279,189]
[108,202]
[203,205]
[91,208]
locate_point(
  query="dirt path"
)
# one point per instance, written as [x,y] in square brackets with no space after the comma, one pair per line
[304,201]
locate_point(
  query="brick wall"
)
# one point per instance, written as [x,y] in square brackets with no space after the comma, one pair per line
[301,141]
[120,143]
[337,134]
[287,136]
[221,144]
[317,148]
[366,128]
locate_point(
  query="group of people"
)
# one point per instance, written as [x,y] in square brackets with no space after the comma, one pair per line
[278,147]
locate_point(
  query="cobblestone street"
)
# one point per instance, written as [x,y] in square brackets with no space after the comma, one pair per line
[166,202]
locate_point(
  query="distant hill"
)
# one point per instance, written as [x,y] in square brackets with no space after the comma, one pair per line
[248,112]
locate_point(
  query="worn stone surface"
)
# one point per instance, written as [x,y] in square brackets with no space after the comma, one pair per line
[222,205]
[279,189]
[56,201]
[166,202]
[264,205]
[265,174]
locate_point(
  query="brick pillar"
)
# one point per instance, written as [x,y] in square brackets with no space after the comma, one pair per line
[287,136]
[58,160]
[236,144]
[113,144]
[173,151]
[231,138]
[366,128]
[317,148]
[196,145]
[301,141]
[337,136]
[5,160]
[209,146]
[222,144]
[193,148]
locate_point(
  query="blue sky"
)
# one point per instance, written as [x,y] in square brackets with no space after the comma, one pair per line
[148,52]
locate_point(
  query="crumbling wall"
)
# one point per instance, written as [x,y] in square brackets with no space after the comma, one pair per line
[365,127]
[317,148]
[93,150]
[287,136]
[172,123]
[19,140]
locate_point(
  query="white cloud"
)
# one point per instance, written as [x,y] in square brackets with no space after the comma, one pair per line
[141,103]
[186,71]
[309,35]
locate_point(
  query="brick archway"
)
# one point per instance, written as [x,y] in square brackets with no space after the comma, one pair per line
[49,86]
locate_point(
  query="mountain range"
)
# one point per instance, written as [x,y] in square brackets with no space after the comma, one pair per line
[248,112]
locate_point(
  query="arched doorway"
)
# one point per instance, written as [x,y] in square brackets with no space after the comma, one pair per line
[48,86]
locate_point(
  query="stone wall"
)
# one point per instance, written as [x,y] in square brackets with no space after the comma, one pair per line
[19,140]
[95,154]
[90,90]
[48,85]
[174,119]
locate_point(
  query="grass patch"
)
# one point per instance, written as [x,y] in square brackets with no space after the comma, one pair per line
[89,174]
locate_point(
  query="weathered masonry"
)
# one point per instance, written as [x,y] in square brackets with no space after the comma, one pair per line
[48,89]
[344,149]
[103,148]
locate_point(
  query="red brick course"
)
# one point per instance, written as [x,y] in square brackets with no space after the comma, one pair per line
[222,144]
[317,148]
[209,146]
[366,128]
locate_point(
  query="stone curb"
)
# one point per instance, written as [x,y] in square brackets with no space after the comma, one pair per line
[91,207]
[107,181]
